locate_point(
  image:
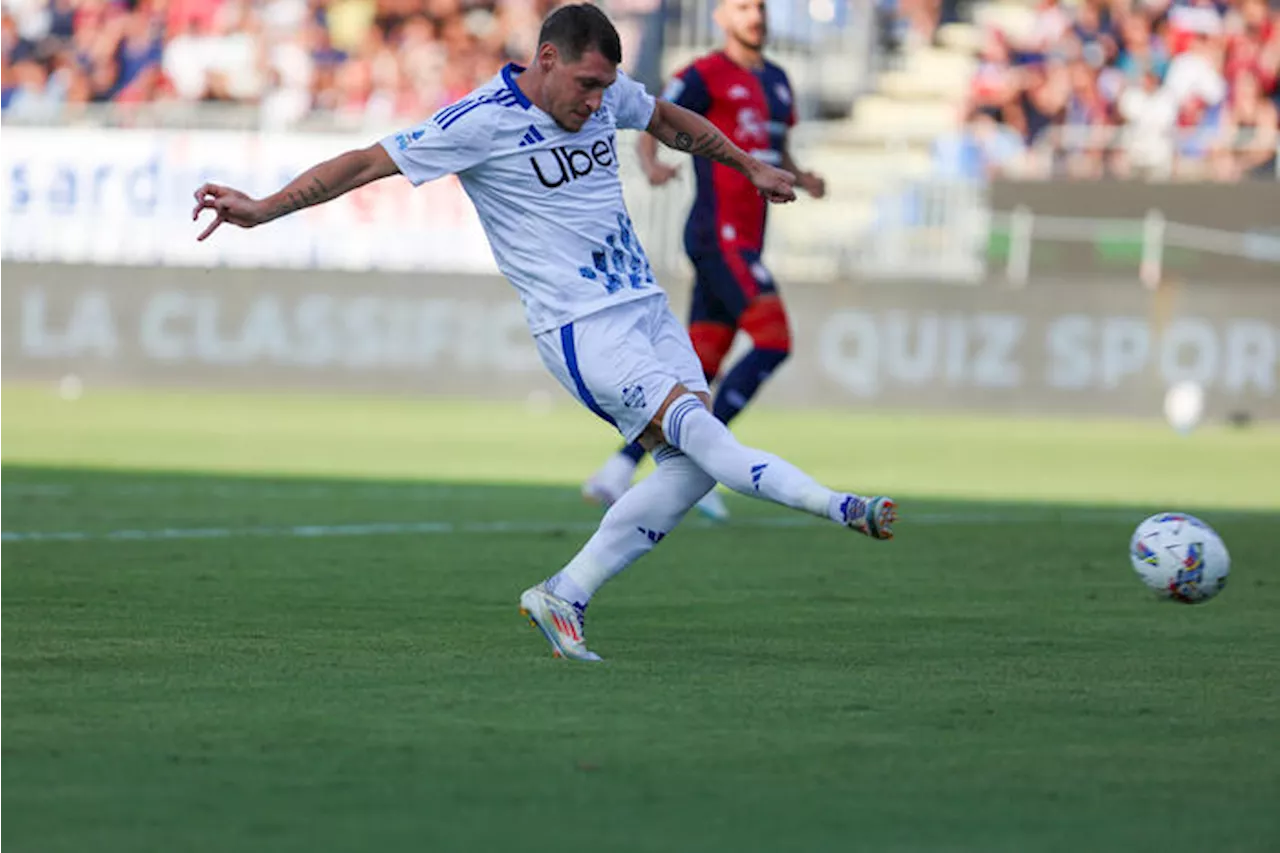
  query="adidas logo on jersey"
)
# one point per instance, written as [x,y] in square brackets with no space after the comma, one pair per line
[531,137]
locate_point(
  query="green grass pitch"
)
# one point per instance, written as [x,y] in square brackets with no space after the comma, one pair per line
[266,623]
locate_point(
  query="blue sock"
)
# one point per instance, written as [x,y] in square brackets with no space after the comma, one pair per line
[744,381]
[633,451]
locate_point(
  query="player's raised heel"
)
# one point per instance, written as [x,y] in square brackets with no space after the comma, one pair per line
[872,517]
[559,621]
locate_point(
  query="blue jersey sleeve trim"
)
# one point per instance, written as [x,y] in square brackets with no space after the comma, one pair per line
[571,361]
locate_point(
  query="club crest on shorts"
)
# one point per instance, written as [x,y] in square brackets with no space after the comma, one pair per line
[633,397]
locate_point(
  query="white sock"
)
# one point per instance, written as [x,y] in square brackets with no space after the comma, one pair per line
[755,473]
[633,525]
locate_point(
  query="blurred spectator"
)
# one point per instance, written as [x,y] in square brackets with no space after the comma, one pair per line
[911,22]
[1200,149]
[1138,87]
[1150,115]
[996,85]
[29,93]
[1141,50]
[1196,72]
[1051,23]
[979,150]
[1253,124]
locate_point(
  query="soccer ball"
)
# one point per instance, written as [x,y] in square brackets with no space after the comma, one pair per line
[1180,557]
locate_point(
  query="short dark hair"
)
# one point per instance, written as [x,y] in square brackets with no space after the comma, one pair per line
[578,28]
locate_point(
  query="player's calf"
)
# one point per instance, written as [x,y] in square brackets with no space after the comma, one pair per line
[744,380]
[688,425]
[632,527]
[765,320]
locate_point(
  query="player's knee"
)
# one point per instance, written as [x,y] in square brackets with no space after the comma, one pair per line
[653,435]
[711,341]
[765,320]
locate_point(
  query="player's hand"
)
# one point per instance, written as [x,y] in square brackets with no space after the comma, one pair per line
[229,205]
[776,185]
[812,183]
[659,173]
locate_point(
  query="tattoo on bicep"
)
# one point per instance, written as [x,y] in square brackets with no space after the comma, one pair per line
[683,141]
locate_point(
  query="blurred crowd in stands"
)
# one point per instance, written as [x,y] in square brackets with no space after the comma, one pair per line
[369,60]
[362,61]
[1099,88]
[1126,88]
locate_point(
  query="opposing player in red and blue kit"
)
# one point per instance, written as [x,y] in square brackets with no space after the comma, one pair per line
[749,99]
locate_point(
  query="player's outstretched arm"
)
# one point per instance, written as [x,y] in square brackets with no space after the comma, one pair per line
[810,182]
[320,183]
[684,130]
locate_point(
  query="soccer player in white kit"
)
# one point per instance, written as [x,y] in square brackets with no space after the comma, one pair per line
[536,151]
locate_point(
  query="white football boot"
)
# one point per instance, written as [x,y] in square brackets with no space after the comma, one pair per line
[873,517]
[560,621]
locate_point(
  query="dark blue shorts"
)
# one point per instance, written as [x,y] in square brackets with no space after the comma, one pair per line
[725,284]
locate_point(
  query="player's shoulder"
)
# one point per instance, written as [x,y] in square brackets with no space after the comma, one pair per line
[700,78]
[775,71]
[481,109]
[709,64]
[624,85]
[776,83]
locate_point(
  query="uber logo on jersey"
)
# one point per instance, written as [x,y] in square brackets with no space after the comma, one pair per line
[556,167]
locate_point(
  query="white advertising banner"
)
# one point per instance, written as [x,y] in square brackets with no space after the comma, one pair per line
[1080,348]
[111,196]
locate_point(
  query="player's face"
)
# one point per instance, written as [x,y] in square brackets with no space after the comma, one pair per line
[574,89]
[744,21]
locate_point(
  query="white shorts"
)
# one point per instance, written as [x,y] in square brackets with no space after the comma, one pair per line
[623,361]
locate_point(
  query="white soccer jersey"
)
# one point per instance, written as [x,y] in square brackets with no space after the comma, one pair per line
[550,201]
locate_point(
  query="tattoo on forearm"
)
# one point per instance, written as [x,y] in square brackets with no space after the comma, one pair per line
[312,194]
[712,146]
